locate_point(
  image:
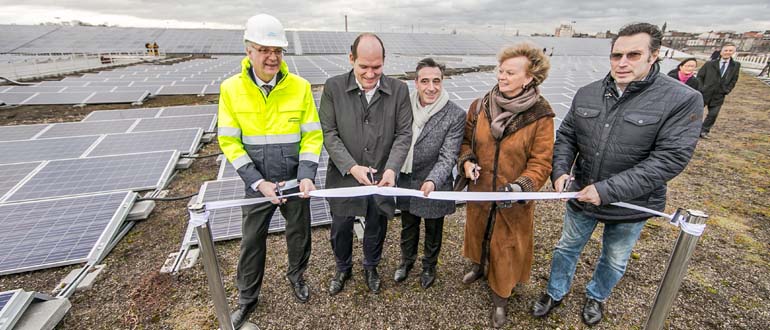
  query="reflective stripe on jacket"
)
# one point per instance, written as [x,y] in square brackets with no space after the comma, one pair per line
[274,138]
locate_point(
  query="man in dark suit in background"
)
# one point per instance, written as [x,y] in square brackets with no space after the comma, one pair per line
[718,78]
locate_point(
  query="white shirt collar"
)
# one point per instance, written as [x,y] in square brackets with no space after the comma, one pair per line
[370,93]
[261,83]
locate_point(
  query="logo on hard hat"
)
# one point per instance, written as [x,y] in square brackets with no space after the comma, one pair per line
[272,34]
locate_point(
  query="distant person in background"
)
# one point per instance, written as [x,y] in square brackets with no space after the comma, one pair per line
[685,73]
[714,54]
[147,47]
[718,78]
[666,54]
[155,49]
[508,146]
[766,70]
[437,131]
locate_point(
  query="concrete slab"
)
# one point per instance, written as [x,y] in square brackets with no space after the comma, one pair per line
[43,315]
[184,163]
[87,282]
[141,210]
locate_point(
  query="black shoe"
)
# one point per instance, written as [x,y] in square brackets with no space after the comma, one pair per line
[427,277]
[301,291]
[402,272]
[592,312]
[241,315]
[338,282]
[544,305]
[372,280]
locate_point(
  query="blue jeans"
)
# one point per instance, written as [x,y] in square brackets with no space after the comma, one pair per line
[617,242]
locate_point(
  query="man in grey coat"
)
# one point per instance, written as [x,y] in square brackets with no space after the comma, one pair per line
[367,124]
[437,131]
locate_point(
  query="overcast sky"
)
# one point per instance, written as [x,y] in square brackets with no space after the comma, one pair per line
[466,16]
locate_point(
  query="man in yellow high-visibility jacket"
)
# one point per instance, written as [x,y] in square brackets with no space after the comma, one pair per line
[269,130]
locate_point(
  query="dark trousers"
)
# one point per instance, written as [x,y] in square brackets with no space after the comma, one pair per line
[410,238]
[374,236]
[256,220]
[711,118]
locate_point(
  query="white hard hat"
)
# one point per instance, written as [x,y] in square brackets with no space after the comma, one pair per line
[265,30]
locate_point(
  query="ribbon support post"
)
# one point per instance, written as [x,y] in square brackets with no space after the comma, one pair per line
[199,218]
[692,223]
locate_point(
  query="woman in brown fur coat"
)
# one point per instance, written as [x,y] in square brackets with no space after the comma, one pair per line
[508,146]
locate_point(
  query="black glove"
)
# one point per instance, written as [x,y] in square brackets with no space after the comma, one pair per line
[511,187]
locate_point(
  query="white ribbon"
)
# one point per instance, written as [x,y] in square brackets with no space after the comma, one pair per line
[695,229]
[200,218]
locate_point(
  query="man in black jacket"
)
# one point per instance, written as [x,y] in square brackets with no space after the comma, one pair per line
[625,136]
[718,78]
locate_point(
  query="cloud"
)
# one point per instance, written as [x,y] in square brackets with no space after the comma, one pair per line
[465,16]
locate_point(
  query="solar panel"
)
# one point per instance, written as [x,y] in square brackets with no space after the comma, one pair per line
[20,132]
[44,149]
[181,90]
[5,297]
[207,109]
[183,140]
[226,223]
[227,171]
[98,174]
[12,174]
[88,128]
[117,97]
[58,98]
[122,114]
[15,98]
[51,233]
[204,122]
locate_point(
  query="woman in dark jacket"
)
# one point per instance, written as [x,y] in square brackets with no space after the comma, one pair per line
[685,72]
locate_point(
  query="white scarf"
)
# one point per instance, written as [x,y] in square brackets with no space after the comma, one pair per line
[420,116]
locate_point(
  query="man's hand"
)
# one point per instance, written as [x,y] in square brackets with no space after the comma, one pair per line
[471,170]
[361,174]
[388,179]
[559,184]
[267,189]
[427,188]
[589,195]
[305,187]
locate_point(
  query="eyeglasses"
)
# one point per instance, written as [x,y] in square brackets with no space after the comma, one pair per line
[631,56]
[278,52]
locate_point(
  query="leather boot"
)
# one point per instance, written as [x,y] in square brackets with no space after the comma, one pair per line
[475,274]
[499,313]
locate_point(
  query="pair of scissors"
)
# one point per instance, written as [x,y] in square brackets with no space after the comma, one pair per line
[371,176]
[279,192]
[571,174]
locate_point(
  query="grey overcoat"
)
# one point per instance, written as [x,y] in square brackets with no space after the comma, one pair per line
[378,135]
[434,157]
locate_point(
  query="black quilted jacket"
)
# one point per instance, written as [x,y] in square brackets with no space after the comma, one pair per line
[628,146]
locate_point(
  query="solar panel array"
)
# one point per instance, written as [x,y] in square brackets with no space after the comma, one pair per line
[94,39]
[226,223]
[66,188]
